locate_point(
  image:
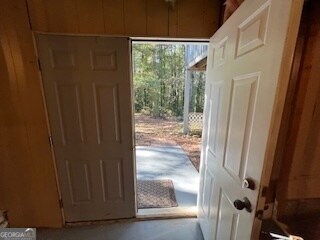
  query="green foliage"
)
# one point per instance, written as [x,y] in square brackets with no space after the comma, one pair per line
[158,75]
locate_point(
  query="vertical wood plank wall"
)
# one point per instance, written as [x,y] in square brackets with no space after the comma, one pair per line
[305,169]
[144,18]
[300,169]
[27,179]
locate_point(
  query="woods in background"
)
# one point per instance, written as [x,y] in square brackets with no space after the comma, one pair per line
[158,76]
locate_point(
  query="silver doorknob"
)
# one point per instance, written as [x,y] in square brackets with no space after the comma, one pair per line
[245,204]
[248,183]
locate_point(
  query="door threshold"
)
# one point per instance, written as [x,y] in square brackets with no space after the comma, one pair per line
[176,212]
[144,214]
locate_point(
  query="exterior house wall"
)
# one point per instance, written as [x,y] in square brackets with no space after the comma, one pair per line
[194,51]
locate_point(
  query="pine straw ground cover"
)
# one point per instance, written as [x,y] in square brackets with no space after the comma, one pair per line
[166,132]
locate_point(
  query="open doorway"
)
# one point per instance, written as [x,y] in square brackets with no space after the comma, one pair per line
[169,86]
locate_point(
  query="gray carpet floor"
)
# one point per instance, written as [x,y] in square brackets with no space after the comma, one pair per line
[173,229]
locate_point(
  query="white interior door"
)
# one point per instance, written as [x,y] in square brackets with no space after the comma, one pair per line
[88,96]
[243,70]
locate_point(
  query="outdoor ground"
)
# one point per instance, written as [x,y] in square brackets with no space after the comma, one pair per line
[159,132]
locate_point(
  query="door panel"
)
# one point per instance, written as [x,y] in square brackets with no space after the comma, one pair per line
[252,31]
[243,98]
[242,75]
[70,113]
[228,218]
[207,203]
[111,179]
[88,96]
[106,102]
[78,181]
[215,108]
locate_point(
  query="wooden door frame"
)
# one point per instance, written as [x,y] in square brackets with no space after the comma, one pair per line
[54,161]
[184,211]
[281,92]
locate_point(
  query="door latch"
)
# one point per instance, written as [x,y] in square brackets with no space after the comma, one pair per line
[248,183]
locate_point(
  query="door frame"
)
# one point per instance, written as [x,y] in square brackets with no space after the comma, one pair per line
[182,211]
[54,161]
[278,106]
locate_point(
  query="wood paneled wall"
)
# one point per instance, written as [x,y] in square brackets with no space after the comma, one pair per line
[145,18]
[300,169]
[28,188]
[305,168]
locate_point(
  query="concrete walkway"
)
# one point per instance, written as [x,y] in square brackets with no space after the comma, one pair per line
[169,163]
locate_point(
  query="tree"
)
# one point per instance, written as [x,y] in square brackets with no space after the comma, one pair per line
[158,75]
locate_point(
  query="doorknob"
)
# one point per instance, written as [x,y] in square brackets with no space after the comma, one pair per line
[245,204]
[248,183]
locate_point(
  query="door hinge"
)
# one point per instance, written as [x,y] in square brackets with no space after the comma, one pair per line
[39,65]
[60,203]
[50,141]
[259,214]
[264,191]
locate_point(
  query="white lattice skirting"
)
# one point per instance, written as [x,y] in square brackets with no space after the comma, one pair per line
[195,121]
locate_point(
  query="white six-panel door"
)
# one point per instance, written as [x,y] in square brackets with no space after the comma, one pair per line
[88,96]
[243,69]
